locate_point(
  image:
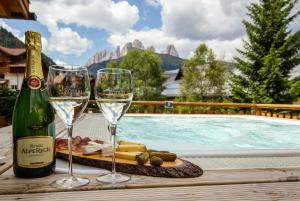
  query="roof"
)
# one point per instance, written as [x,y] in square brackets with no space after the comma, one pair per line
[19,64]
[12,51]
[16,9]
[3,81]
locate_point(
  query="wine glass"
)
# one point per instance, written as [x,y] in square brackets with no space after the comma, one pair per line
[69,92]
[113,93]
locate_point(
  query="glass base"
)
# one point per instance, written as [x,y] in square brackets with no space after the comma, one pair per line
[70,182]
[113,178]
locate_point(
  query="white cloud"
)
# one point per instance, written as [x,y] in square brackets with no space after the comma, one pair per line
[45,47]
[216,22]
[186,24]
[204,20]
[67,41]
[185,46]
[58,61]
[225,49]
[154,3]
[102,14]
[14,31]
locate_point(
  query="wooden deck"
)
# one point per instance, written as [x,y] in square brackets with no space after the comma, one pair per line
[216,184]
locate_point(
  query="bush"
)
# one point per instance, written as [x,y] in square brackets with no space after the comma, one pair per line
[7,102]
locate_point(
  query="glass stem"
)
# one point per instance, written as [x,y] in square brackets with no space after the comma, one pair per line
[70,130]
[113,128]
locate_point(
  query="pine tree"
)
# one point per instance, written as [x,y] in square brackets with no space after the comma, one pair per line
[295,87]
[269,54]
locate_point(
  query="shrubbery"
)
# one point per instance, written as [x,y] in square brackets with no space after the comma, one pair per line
[7,102]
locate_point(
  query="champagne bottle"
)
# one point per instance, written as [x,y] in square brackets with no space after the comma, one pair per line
[33,118]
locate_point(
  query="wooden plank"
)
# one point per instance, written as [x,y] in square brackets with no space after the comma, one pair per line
[5,147]
[279,106]
[3,11]
[178,169]
[8,161]
[12,185]
[23,5]
[212,104]
[16,9]
[259,192]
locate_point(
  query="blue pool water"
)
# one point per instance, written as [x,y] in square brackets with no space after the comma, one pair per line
[192,134]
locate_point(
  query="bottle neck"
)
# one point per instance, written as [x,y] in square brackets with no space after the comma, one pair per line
[34,63]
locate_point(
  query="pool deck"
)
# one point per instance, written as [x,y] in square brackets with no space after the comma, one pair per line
[225,178]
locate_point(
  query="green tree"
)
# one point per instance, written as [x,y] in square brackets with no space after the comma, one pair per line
[147,74]
[111,64]
[269,54]
[203,76]
[7,102]
[295,87]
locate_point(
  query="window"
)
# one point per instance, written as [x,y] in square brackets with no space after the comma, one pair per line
[14,87]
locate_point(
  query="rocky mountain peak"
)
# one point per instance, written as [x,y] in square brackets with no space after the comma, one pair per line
[117,53]
[105,55]
[137,44]
[100,56]
[170,50]
[126,48]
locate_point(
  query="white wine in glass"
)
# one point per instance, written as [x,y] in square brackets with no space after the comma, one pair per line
[113,93]
[69,92]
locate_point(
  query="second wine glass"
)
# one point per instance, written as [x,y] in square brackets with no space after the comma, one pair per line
[113,93]
[69,92]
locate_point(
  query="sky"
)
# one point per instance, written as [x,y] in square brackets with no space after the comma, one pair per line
[73,30]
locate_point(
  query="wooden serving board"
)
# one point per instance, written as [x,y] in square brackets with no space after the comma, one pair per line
[177,169]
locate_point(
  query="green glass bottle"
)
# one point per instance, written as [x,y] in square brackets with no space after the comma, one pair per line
[33,118]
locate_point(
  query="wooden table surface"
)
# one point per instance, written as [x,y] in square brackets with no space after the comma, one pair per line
[222,184]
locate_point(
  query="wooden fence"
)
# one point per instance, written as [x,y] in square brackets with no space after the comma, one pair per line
[274,110]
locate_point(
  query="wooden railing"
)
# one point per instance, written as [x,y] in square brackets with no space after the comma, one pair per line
[241,108]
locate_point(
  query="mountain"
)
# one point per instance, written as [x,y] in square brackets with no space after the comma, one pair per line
[105,55]
[169,56]
[7,39]
[100,56]
[169,62]
[170,50]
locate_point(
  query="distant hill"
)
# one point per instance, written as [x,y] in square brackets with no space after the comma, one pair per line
[7,39]
[168,63]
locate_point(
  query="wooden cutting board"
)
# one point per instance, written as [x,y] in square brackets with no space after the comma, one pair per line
[177,169]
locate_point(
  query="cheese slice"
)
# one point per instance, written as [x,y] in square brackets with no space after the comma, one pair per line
[127,155]
[92,147]
[132,148]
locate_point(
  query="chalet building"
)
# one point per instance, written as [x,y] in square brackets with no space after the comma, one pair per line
[174,81]
[12,67]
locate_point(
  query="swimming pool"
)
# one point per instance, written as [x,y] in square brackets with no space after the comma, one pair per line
[203,133]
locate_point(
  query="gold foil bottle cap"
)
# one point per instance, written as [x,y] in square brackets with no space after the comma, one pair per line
[33,57]
[33,40]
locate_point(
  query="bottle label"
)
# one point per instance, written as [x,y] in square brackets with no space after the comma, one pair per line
[35,152]
[34,82]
